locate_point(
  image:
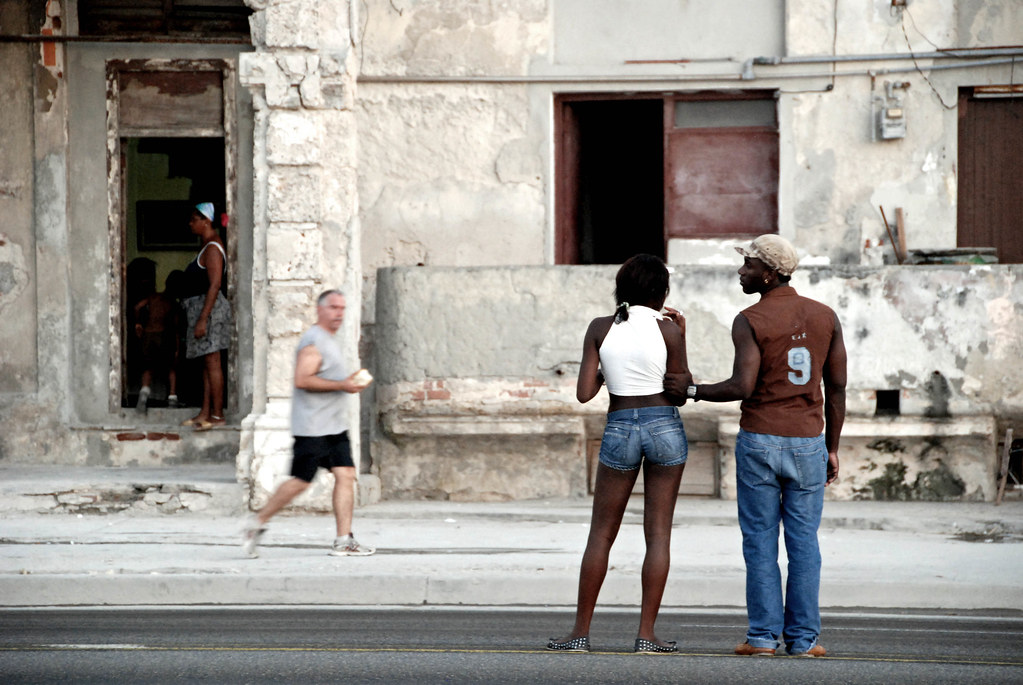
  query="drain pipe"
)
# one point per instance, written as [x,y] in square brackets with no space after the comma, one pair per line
[750,76]
[747,73]
[962,53]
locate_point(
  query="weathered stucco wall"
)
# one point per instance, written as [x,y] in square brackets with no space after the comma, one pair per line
[457,146]
[456,160]
[35,360]
[609,32]
[56,260]
[17,239]
[494,352]
[835,174]
[445,157]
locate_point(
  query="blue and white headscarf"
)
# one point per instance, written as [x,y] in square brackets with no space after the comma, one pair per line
[206,209]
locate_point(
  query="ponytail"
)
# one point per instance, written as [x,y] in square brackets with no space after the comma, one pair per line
[622,312]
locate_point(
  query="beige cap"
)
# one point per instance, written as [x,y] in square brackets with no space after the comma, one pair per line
[774,251]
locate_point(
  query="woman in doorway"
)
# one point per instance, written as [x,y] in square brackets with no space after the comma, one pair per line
[631,351]
[208,314]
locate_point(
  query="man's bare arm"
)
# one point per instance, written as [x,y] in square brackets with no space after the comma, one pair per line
[745,368]
[306,366]
[834,373]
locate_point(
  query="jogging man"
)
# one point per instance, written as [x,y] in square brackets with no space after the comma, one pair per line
[319,424]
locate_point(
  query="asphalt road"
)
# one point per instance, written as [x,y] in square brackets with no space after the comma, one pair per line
[464,645]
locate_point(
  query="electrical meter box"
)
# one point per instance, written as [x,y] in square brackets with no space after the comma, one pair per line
[889,113]
[891,123]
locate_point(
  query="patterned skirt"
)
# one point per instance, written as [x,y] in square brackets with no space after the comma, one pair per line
[218,327]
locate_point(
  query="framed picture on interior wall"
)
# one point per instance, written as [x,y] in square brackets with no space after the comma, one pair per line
[163,225]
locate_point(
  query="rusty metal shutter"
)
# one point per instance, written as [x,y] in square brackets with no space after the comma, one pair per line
[721,182]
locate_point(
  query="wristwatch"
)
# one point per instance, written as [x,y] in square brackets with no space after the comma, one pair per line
[691,392]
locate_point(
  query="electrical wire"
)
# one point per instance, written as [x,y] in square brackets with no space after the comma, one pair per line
[902,24]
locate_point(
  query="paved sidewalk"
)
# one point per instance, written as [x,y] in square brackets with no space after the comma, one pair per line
[878,555]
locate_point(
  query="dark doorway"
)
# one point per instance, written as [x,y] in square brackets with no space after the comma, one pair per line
[990,168]
[164,178]
[619,202]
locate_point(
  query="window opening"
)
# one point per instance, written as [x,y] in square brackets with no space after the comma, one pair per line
[724,113]
[1015,477]
[887,403]
[634,172]
[150,19]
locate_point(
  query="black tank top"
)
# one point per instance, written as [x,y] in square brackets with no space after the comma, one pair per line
[197,278]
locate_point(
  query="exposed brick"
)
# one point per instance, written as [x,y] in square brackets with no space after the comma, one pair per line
[419,395]
[162,436]
[535,384]
[519,393]
[438,395]
[124,437]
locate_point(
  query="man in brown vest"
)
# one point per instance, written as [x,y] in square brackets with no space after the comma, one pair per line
[786,347]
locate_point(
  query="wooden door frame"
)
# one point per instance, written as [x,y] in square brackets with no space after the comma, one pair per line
[117,214]
[566,158]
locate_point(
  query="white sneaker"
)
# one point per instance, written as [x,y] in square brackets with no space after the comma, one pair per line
[347,546]
[252,533]
[143,403]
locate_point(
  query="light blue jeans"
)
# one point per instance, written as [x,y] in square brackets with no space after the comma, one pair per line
[653,433]
[781,480]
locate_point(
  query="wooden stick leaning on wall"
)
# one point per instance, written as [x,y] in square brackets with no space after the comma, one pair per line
[891,238]
[900,234]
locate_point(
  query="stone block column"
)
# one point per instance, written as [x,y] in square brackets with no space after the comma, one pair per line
[306,231]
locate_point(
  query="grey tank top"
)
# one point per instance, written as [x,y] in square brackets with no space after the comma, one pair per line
[321,413]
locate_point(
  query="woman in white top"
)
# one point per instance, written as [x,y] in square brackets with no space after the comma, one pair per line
[631,351]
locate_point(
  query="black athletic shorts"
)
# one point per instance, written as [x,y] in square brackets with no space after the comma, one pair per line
[313,452]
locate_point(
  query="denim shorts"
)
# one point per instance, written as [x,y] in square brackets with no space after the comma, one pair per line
[655,433]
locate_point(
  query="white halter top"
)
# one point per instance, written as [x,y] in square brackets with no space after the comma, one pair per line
[633,355]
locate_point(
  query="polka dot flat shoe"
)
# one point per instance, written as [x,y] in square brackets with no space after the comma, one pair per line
[648,647]
[576,644]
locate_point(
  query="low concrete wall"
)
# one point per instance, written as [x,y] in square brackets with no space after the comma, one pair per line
[904,458]
[476,372]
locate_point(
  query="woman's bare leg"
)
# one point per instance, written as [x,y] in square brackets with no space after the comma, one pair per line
[610,497]
[213,382]
[660,493]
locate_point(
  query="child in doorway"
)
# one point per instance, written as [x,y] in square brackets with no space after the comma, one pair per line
[157,319]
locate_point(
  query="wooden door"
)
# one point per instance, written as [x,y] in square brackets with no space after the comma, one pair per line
[990,212]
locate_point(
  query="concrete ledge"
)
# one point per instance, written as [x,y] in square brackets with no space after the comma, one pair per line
[480,588]
[901,458]
[917,426]
[893,426]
